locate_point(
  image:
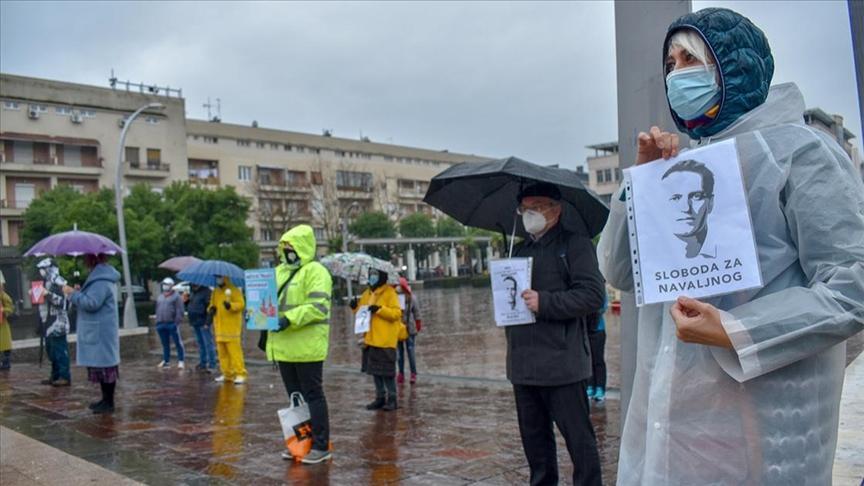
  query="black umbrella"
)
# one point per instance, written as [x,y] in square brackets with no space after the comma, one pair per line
[485,194]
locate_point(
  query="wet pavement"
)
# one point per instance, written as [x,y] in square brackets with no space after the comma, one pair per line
[457,425]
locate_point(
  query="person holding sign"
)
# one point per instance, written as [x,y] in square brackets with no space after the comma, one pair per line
[379,343]
[744,388]
[548,361]
[226,309]
[300,344]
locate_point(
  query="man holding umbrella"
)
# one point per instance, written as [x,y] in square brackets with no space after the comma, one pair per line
[548,362]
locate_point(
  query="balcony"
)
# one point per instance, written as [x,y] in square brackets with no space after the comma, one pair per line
[151,170]
[12,207]
[412,193]
[273,186]
[52,167]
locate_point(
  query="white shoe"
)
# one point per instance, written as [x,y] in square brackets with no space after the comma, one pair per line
[239,380]
[287,456]
[181,365]
[220,379]
[162,364]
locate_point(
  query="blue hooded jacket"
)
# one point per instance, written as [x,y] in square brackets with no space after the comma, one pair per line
[744,62]
[98,322]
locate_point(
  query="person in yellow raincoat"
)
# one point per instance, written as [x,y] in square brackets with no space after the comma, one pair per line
[7,307]
[226,307]
[379,351]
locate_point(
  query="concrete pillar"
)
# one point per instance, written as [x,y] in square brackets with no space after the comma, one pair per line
[454,263]
[436,259]
[400,262]
[489,257]
[412,264]
[639,31]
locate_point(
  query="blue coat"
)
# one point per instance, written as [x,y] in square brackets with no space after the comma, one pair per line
[98,321]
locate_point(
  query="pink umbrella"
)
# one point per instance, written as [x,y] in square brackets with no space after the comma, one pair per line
[178,264]
[74,243]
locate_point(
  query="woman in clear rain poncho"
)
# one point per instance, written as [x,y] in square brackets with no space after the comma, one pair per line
[745,388]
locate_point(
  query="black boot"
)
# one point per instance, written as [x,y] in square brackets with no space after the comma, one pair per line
[391,404]
[95,405]
[378,403]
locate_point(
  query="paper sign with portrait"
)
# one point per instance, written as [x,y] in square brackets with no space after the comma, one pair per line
[510,276]
[689,226]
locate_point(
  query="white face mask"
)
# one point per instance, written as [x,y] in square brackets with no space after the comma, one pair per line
[533,221]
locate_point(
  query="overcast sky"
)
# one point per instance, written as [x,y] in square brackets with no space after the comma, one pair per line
[535,80]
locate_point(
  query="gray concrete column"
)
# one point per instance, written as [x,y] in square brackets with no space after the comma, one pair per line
[412,264]
[454,262]
[489,257]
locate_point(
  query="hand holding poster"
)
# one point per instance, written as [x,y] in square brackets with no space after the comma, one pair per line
[689,226]
[261,300]
[510,277]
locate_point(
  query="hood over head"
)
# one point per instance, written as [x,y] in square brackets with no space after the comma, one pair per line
[302,239]
[744,63]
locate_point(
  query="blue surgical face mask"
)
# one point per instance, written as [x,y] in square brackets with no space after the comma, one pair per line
[373,280]
[693,91]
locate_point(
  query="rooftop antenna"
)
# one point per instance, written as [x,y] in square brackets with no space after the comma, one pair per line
[112,80]
[218,110]
[208,106]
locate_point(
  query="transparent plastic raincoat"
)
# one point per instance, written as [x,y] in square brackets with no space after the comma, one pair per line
[766,412]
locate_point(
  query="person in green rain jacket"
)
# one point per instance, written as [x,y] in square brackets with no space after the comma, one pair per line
[300,344]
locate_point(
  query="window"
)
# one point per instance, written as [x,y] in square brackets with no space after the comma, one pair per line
[287,148]
[63,110]
[154,157]
[260,144]
[88,113]
[599,176]
[152,120]
[24,194]
[11,105]
[354,180]
[340,153]
[266,235]
[211,140]
[243,143]
[301,149]
[317,179]
[244,173]
[319,234]
[274,146]
[296,178]
[387,158]
[132,156]
[607,175]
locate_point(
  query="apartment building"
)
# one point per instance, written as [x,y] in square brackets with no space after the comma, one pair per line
[833,125]
[296,177]
[604,174]
[53,132]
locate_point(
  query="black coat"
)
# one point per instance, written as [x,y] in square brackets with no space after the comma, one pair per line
[554,350]
[199,300]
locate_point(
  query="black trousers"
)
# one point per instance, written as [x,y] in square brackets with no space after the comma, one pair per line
[307,379]
[597,340]
[567,406]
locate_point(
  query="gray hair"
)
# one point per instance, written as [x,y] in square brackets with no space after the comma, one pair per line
[690,41]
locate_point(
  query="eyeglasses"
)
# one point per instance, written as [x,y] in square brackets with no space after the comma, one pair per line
[520,210]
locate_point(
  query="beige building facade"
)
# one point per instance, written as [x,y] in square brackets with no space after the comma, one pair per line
[54,133]
[320,180]
[604,174]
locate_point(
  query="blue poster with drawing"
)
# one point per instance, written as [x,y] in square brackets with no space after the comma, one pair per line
[261,300]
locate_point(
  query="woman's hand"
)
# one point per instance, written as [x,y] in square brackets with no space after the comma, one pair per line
[699,323]
[655,144]
[67,290]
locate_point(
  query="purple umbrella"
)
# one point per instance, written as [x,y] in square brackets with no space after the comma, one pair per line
[178,264]
[74,243]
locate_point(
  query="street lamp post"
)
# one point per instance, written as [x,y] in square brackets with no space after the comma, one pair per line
[352,207]
[130,319]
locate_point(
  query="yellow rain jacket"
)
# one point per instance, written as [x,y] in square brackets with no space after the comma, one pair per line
[304,299]
[227,324]
[386,323]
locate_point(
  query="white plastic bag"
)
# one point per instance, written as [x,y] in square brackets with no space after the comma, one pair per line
[295,419]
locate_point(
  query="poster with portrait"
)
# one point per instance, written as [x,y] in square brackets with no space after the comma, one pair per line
[261,300]
[689,226]
[510,276]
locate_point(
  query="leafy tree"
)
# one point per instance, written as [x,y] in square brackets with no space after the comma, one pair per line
[374,225]
[417,225]
[448,226]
